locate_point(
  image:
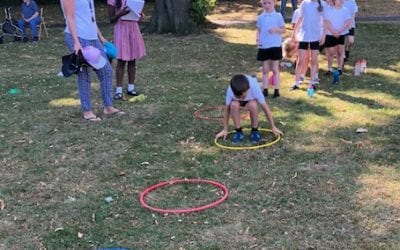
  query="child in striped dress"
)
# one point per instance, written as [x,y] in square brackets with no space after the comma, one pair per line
[129,42]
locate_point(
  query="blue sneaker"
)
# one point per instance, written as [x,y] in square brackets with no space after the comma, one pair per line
[238,137]
[255,136]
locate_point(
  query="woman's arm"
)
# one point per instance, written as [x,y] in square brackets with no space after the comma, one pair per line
[68,9]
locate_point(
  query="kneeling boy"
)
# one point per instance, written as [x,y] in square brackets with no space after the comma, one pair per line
[244,91]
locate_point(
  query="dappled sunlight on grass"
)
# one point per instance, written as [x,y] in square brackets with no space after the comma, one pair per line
[384,72]
[380,186]
[379,198]
[64,102]
[237,36]
[311,122]
[384,99]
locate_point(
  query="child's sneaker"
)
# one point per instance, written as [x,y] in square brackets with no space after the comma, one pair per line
[238,137]
[276,93]
[118,96]
[255,136]
[294,87]
[132,93]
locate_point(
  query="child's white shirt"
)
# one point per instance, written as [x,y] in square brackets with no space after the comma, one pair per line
[337,17]
[265,22]
[254,92]
[312,25]
[296,15]
[351,5]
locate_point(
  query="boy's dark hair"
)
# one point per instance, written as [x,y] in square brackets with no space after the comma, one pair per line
[239,84]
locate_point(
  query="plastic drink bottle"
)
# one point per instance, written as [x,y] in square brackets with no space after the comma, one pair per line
[310,90]
[336,76]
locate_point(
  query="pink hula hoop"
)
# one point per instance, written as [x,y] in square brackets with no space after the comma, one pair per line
[215,203]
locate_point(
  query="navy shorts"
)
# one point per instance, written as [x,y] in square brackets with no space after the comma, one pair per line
[274,54]
[309,45]
[331,41]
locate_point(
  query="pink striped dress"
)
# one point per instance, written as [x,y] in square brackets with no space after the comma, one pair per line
[128,38]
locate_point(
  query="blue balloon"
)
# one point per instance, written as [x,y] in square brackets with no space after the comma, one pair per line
[111,50]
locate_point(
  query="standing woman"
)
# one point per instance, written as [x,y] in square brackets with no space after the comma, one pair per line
[130,45]
[309,31]
[81,31]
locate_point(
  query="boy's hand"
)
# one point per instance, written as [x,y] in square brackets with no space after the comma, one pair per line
[222,134]
[276,131]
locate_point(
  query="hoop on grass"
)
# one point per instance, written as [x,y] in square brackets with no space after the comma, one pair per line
[239,147]
[183,210]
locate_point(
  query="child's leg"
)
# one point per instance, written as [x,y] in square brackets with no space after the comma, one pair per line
[277,77]
[305,65]
[340,53]
[349,43]
[314,65]
[235,113]
[265,77]
[131,78]
[301,63]
[330,54]
[132,71]
[120,74]
[252,106]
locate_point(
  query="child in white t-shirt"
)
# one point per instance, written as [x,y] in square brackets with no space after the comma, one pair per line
[308,32]
[351,5]
[337,22]
[270,27]
[244,91]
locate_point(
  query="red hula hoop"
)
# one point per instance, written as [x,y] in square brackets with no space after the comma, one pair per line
[144,204]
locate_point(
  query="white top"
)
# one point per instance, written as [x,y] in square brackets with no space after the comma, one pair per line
[312,24]
[337,17]
[351,5]
[265,22]
[85,20]
[254,92]
[296,15]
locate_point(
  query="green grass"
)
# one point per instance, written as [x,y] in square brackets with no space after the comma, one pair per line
[323,186]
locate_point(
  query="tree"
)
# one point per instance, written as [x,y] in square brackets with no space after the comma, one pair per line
[171,16]
[179,16]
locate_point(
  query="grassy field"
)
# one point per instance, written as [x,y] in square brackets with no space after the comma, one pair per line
[323,186]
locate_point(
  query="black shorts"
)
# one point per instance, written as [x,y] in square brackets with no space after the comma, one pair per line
[331,41]
[351,32]
[274,54]
[309,45]
[243,103]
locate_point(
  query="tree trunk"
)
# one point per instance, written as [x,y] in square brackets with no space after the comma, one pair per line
[171,16]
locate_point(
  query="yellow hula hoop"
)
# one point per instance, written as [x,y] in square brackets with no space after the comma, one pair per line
[249,147]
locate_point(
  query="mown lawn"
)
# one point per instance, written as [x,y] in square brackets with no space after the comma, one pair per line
[322,186]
